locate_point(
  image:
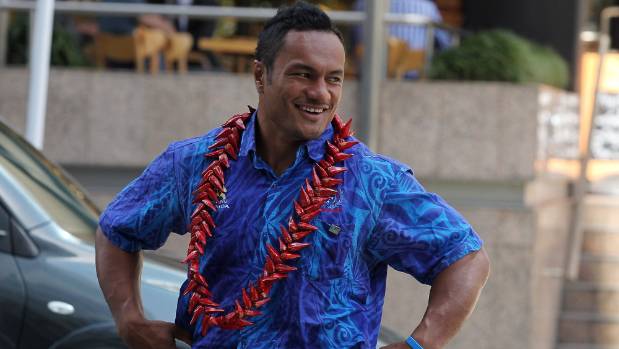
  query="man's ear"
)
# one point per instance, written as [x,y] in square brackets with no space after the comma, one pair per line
[259,75]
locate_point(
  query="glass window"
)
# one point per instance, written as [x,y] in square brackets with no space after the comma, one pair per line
[48,185]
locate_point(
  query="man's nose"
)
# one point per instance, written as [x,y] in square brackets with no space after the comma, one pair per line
[318,91]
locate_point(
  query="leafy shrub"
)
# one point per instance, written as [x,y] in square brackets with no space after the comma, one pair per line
[499,55]
[65,50]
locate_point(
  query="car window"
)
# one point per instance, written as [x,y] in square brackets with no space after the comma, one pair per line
[5,236]
[61,198]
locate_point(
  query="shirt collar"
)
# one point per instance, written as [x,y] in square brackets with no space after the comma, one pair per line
[314,148]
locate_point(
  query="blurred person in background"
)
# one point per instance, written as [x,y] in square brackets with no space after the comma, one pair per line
[199,28]
[125,25]
[293,223]
[413,35]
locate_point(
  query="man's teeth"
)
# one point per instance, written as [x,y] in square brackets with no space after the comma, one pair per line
[312,109]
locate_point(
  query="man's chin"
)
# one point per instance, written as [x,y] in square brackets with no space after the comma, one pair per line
[310,131]
[311,135]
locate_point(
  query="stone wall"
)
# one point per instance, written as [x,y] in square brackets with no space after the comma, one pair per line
[473,143]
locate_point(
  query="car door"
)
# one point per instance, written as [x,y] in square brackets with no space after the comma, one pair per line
[12,289]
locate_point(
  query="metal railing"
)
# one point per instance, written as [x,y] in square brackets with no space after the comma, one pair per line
[247,14]
[209,12]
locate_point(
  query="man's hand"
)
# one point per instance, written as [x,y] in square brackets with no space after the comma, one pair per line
[147,334]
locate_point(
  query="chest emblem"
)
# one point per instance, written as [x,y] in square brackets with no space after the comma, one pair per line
[222,199]
[334,202]
[334,229]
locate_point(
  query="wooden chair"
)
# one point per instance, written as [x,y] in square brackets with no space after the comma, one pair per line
[177,51]
[120,48]
[149,44]
[143,44]
[402,59]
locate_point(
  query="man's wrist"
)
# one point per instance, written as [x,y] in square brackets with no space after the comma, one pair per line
[128,321]
[413,343]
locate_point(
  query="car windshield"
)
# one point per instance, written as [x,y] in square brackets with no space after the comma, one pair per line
[49,185]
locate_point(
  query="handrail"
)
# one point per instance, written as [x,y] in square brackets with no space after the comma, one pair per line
[249,14]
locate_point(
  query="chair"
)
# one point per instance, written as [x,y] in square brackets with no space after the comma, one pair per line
[149,44]
[177,51]
[143,44]
[402,59]
[120,48]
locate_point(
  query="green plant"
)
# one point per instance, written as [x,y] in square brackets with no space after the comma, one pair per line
[65,50]
[499,55]
[18,39]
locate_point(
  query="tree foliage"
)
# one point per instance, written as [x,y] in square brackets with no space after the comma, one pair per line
[65,50]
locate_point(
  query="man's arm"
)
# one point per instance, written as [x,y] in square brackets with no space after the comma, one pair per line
[453,296]
[119,277]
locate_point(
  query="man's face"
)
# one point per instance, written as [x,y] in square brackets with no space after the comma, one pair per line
[300,95]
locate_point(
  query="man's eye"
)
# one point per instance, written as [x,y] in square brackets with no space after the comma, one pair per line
[334,80]
[302,75]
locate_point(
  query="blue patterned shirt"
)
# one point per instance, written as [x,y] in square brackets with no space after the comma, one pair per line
[382,216]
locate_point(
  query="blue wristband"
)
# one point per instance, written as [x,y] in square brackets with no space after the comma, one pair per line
[413,343]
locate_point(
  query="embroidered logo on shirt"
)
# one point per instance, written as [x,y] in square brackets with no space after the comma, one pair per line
[223,202]
[334,202]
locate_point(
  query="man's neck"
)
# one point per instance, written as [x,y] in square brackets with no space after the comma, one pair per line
[273,147]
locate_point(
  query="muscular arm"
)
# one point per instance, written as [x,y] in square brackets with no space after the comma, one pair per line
[453,296]
[119,277]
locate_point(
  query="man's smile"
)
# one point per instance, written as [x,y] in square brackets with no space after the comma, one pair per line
[313,111]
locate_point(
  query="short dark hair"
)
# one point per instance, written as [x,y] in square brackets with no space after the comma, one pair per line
[299,17]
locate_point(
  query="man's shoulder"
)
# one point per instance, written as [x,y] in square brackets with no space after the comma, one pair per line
[195,145]
[368,161]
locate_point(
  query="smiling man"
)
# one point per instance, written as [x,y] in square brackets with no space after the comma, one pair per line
[293,223]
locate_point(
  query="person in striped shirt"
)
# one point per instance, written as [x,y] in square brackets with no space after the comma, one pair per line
[414,35]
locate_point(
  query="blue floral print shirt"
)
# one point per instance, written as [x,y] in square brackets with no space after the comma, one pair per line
[381,217]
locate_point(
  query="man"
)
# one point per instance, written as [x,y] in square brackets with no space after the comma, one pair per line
[273,182]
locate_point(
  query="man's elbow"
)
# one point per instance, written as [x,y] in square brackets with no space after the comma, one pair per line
[483,264]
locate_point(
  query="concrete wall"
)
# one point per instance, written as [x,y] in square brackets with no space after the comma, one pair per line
[456,131]
[461,131]
[475,144]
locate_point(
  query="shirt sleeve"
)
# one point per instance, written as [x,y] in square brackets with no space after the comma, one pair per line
[145,212]
[418,233]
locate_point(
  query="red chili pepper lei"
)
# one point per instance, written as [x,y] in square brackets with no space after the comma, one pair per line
[317,189]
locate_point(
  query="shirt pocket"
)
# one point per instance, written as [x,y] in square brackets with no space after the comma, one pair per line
[326,257]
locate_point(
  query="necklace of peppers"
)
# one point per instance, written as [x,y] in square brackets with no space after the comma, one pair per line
[313,194]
